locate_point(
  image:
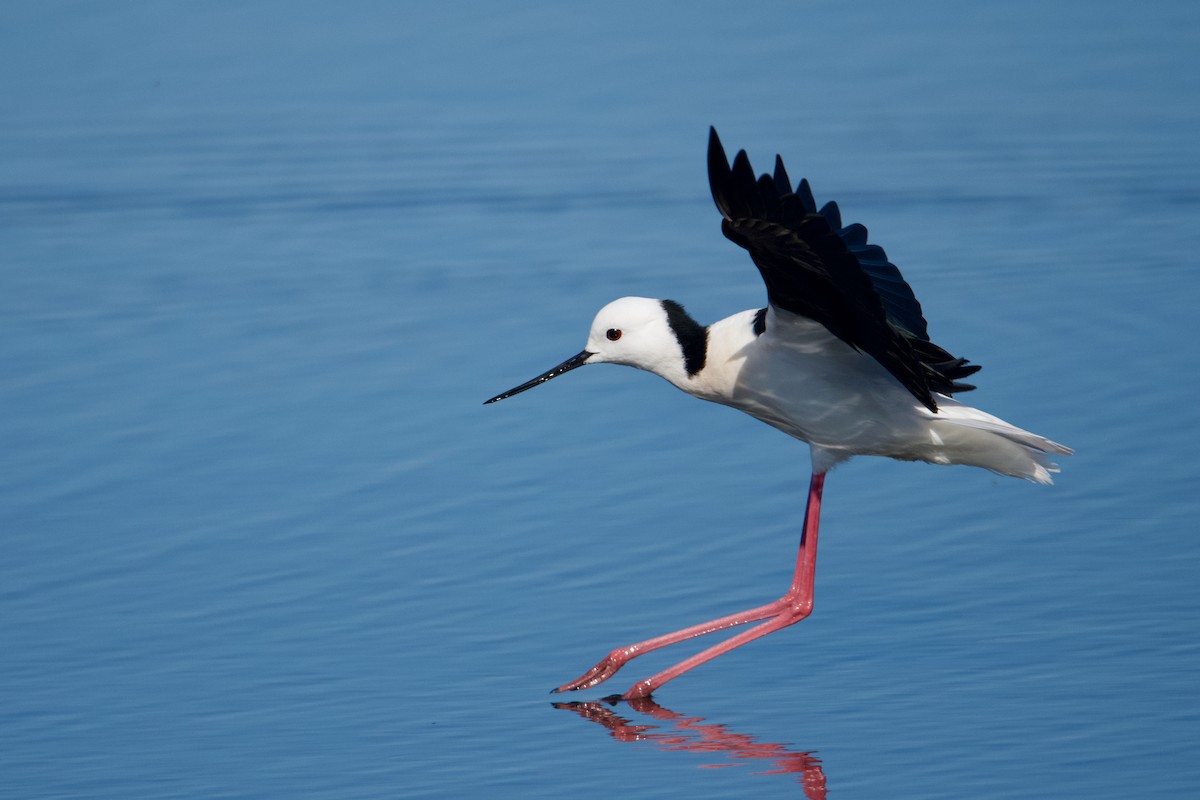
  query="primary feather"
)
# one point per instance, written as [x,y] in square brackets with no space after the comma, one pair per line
[815,267]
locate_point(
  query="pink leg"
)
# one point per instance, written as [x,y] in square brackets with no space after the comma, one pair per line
[787,610]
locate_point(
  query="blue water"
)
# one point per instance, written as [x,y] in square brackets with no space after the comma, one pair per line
[261,264]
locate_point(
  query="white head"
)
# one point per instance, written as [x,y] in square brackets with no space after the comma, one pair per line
[654,335]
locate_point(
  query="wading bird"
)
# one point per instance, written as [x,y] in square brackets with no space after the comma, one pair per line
[839,358]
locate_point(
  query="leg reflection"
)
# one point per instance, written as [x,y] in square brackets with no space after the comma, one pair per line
[693,734]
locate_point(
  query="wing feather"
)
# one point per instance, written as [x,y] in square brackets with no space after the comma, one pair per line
[815,266]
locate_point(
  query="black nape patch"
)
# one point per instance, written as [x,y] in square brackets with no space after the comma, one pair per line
[691,335]
[760,322]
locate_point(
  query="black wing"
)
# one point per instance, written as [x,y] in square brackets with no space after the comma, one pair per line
[816,268]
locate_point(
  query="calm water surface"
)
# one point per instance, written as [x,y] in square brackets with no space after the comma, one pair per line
[260,266]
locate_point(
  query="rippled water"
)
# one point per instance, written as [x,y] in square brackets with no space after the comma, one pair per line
[261,265]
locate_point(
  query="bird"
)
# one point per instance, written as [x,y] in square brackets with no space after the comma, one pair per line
[840,357]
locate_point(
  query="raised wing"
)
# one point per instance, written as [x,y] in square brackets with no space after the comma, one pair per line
[815,267]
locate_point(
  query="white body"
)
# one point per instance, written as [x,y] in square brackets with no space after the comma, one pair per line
[799,378]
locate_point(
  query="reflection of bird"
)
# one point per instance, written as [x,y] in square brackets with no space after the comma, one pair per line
[839,358]
[679,733]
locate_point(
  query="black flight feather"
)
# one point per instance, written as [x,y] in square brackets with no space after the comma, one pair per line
[815,267]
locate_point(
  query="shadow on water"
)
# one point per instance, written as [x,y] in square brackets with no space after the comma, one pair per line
[691,734]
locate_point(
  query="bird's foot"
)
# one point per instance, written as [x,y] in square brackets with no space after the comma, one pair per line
[598,674]
[640,692]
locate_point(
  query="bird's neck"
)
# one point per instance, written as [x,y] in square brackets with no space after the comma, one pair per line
[725,348]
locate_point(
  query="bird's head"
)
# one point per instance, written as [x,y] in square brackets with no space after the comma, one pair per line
[635,331]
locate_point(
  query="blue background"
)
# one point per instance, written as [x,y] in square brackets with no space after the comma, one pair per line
[261,263]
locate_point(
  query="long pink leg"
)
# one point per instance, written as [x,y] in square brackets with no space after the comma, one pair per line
[787,610]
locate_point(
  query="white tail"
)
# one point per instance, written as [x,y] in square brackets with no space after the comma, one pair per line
[971,436]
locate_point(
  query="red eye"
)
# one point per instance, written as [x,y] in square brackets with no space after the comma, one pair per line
[613,334]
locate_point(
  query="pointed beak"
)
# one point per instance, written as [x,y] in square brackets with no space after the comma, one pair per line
[571,363]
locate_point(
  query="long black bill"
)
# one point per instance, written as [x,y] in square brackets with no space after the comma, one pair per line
[571,363]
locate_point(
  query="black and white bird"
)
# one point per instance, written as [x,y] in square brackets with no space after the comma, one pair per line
[839,358]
